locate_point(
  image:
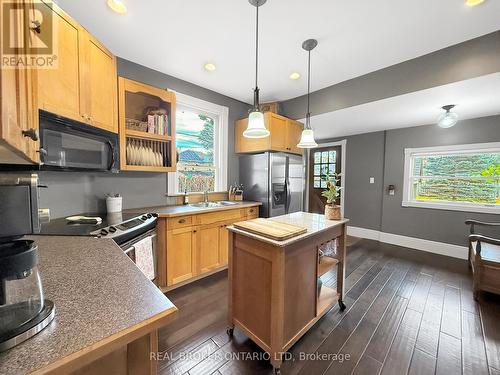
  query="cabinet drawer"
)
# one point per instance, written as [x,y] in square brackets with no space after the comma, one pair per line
[179,222]
[252,212]
[215,217]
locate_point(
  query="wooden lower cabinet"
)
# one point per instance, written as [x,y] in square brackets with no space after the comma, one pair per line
[207,249]
[197,245]
[180,265]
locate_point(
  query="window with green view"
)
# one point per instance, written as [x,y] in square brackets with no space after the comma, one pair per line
[468,177]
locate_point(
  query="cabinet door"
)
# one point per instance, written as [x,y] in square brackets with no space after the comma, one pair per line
[208,248]
[278,128]
[179,255]
[242,144]
[16,93]
[294,132]
[59,88]
[98,83]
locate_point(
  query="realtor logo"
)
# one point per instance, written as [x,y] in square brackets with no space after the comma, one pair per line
[28,35]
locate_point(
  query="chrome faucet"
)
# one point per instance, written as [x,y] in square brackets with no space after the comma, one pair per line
[205,196]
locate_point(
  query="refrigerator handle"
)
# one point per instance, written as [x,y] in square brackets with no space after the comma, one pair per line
[287,185]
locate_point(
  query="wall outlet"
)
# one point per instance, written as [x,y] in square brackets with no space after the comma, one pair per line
[372,180]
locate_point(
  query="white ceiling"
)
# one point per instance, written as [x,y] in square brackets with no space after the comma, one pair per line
[178,37]
[474,98]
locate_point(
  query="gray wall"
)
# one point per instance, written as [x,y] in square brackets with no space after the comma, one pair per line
[470,59]
[381,155]
[74,192]
[437,225]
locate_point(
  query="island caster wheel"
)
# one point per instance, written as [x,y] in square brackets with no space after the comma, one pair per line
[230,331]
[277,371]
[342,305]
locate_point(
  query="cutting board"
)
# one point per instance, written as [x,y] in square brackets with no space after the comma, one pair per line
[274,230]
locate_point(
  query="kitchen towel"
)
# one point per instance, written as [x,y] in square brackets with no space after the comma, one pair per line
[144,257]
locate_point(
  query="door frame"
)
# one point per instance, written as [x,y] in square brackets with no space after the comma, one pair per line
[343,147]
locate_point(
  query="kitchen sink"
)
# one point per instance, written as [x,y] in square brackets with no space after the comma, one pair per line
[206,205]
[213,204]
[227,203]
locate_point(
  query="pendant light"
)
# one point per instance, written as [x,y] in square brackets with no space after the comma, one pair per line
[447,119]
[256,127]
[307,138]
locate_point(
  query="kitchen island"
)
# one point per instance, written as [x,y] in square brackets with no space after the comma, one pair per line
[274,293]
[107,313]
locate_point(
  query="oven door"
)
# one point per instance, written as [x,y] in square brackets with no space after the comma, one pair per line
[129,249]
[72,145]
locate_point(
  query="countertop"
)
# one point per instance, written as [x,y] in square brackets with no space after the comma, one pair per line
[181,210]
[98,292]
[315,223]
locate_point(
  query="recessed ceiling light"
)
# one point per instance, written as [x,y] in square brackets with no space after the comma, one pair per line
[118,6]
[209,67]
[295,76]
[473,3]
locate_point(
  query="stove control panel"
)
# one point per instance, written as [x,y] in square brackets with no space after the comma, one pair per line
[124,227]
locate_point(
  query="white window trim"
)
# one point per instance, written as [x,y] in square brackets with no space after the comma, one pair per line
[410,153]
[221,143]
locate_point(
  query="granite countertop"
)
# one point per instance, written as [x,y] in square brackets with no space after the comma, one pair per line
[180,210]
[98,292]
[315,223]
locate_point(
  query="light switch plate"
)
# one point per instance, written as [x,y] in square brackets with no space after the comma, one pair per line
[372,180]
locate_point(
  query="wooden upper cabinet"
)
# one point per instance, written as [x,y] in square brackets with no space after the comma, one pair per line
[293,134]
[59,88]
[16,101]
[99,83]
[83,85]
[285,134]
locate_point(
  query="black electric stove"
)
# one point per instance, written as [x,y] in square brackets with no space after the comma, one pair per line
[121,227]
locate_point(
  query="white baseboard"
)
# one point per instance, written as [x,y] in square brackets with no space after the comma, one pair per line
[435,247]
[370,234]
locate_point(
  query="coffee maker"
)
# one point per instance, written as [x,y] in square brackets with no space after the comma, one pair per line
[23,309]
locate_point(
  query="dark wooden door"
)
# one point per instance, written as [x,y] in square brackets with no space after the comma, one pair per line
[322,159]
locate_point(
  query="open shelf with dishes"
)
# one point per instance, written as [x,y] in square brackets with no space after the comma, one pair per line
[147,127]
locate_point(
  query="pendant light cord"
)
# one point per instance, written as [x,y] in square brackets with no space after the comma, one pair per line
[308,114]
[257,46]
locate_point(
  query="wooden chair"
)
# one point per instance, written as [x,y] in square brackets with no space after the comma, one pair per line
[484,259]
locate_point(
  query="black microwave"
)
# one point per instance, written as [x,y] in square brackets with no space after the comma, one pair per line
[67,144]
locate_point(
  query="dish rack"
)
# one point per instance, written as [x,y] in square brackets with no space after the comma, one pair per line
[147,152]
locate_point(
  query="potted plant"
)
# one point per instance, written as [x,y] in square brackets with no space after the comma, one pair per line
[332,192]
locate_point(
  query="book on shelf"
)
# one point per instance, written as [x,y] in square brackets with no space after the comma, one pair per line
[159,124]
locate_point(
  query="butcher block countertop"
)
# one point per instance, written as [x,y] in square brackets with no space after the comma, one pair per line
[101,300]
[314,223]
[182,210]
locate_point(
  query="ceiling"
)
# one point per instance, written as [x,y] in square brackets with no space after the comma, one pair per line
[477,97]
[178,37]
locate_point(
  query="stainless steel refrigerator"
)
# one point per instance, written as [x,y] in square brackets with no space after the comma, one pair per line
[276,179]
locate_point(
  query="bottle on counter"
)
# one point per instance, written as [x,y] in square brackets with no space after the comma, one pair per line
[185,199]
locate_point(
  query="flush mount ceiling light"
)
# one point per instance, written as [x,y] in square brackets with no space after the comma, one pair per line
[473,3]
[256,127]
[118,6]
[209,67]
[307,138]
[295,76]
[447,119]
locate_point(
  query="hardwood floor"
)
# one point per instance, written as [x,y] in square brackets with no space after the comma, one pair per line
[408,312]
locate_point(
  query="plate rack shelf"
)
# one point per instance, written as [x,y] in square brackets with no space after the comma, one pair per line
[147,127]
